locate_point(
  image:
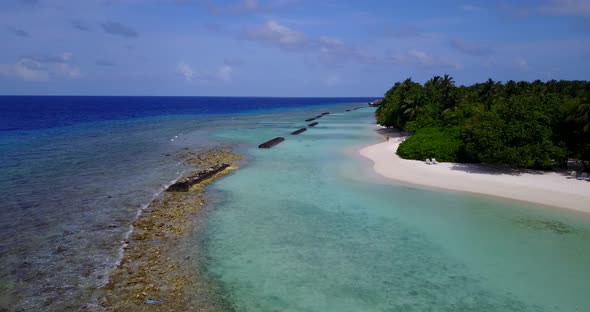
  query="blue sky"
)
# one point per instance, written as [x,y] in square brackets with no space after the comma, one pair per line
[283,47]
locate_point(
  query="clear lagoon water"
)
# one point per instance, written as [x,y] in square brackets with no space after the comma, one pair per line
[305,226]
[75,170]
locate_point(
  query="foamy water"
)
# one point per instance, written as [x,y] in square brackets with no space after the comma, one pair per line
[121,252]
[69,196]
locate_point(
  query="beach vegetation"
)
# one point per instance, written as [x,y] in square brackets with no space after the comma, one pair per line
[433,142]
[521,124]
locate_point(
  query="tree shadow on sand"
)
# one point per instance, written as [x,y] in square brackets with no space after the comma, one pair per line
[391,132]
[496,169]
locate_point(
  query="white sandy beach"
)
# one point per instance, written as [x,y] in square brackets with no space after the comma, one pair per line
[547,188]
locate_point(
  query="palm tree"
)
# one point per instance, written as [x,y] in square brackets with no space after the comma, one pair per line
[447,84]
[448,79]
[488,92]
[581,116]
[433,86]
[411,108]
[510,88]
[436,80]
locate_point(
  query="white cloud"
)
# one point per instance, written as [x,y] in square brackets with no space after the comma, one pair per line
[118,29]
[66,56]
[422,59]
[332,80]
[29,71]
[327,49]
[68,70]
[546,7]
[471,8]
[403,32]
[40,68]
[470,48]
[333,49]
[184,70]
[223,73]
[251,4]
[240,7]
[523,65]
[566,8]
[278,35]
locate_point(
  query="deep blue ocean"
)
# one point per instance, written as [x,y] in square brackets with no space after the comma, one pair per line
[38,112]
[75,170]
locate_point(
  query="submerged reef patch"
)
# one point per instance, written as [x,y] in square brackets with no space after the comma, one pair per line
[156,274]
[557,227]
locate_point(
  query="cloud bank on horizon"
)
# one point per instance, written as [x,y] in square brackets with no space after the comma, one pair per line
[283,47]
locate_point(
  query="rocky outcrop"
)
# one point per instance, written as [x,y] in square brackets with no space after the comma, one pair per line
[156,267]
[300,131]
[185,184]
[313,124]
[271,143]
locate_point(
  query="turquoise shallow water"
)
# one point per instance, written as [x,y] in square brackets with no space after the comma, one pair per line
[307,226]
[75,171]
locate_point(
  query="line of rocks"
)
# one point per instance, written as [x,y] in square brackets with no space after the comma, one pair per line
[277,140]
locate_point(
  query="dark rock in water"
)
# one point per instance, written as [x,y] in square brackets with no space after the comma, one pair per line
[348,110]
[271,143]
[185,184]
[24,265]
[310,119]
[313,124]
[318,116]
[60,249]
[27,205]
[299,131]
[326,113]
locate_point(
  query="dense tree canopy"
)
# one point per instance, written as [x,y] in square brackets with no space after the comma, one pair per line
[524,124]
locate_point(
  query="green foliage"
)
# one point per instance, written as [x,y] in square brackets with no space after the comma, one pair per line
[401,103]
[517,132]
[441,144]
[530,125]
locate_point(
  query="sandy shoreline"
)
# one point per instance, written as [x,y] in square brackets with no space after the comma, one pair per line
[546,188]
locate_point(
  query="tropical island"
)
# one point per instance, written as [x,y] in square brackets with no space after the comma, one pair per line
[527,125]
[528,141]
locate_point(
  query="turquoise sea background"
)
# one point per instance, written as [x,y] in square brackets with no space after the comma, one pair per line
[305,226]
[75,171]
[308,226]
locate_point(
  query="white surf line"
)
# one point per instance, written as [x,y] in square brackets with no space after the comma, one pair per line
[124,242]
